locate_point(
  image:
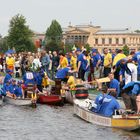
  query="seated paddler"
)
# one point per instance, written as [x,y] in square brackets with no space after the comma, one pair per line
[99,99]
[106,104]
[14,89]
[130,94]
[6,87]
[109,105]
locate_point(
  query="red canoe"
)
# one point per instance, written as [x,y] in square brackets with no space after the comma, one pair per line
[50,99]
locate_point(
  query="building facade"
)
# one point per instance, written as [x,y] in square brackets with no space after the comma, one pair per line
[100,38]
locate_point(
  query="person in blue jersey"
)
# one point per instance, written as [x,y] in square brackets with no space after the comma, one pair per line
[114,85]
[109,105]
[96,63]
[99,99]
[6,87]
[15,89]
[29,78]
[63,73]
[8,76]
[18,91]
[86,65]
[39,77]
[12,86]
[136,58]
[128,70]
[129,93]
[81,58]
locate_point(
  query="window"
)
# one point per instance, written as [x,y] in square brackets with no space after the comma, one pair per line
[96,41]
[117,40]
[76,38]
[110,40]
[124,41]
[103,40]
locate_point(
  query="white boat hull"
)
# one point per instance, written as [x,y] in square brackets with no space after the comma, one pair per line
[117,121]
[18,102]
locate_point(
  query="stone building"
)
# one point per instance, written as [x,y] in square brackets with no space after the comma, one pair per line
[100,38]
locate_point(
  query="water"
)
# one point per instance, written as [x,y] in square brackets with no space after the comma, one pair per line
[53,123]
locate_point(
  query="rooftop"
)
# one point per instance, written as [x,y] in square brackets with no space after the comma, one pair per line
[116,31]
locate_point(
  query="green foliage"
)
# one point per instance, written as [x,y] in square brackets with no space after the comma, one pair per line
[88,48]
[54,32]
[126,50]
[20,36]
[53,46]
[68,48]
[54,36]
[137,31]
[3,45]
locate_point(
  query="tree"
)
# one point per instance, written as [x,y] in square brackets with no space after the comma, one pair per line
[68,48]
[54,46]
[20,36]
[137,31]
[54,36]
[126,50]
[3,45]
[88,48]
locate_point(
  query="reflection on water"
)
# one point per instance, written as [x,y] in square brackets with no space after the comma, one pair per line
[53,123]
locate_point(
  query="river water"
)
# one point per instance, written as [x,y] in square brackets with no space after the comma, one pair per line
[53,123]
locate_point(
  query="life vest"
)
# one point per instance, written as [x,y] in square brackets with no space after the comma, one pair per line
[45,80]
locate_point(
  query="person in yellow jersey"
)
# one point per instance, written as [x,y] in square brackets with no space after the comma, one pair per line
[10,62]
[73,61]
[45,80]
[107,62]
[120,55]
[63,63]
[71,82]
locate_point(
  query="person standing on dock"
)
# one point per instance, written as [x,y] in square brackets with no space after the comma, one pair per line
[107,62]
[129,93]
[96,61]
[80,64]
[136,58]
[10,62]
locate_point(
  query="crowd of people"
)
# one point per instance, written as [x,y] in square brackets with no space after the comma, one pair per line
[123,71]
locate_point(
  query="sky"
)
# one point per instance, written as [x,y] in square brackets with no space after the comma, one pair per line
[39,13]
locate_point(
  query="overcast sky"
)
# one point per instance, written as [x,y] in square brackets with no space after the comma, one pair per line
[40,13]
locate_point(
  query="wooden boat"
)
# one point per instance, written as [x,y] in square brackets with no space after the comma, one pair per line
[49,99]
[18,101]
[48,96]
[71,96]
[126,122]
